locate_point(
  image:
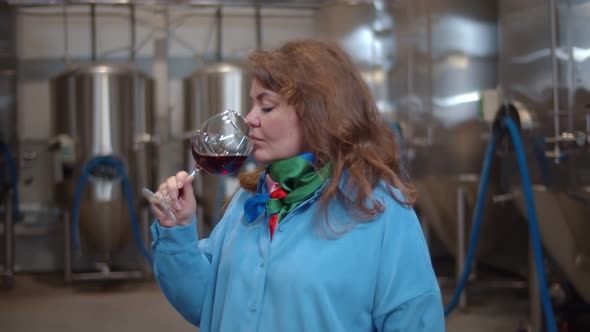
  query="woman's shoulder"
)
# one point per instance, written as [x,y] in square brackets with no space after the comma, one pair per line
[390,196]
[385,194]
[392,213]
[383,189]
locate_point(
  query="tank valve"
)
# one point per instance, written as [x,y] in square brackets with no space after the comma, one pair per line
[504,198]
[145,138]
[64,155]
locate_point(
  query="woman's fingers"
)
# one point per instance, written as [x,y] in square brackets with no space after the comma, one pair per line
[168,191]
[184,182]
[172,184]
[174,202]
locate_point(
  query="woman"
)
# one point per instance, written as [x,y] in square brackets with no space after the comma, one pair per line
[321,238]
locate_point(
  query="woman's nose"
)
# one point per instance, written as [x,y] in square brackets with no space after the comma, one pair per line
[252,118]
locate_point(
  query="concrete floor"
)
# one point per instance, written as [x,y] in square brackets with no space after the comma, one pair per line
[44,304]
[41,303]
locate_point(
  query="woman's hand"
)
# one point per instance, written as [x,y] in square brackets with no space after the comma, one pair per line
[178,191]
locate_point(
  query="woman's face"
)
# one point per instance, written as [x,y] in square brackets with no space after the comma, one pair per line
[275,130]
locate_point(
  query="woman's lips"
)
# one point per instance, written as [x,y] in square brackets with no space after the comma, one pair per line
[255,138]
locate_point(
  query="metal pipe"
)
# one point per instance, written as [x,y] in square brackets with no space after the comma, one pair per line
[93,32]
[160,73]
[248,3]
[145,234]
[430,65]
[132,32]
[219,21]
[554,75]
[258,26]
[410,41]
[67,248]
[195,3]
[67,58]
[206,13]
[535,308]
[570,75]
[8,273]
[460,260]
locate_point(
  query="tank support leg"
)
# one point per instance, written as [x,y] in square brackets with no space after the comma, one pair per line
[461,247]
[67,248]
[7,281]
[535,309]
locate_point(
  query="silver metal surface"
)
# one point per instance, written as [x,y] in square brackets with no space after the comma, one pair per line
[214,88]
[446,58]
[563,223]
[544,68]
[208,91]
[104,110]
[365,31]
[500,243]
[534,64]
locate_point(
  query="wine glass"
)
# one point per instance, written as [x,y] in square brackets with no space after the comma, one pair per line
[220,147]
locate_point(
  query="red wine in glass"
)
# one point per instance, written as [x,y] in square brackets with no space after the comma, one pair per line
[219,164]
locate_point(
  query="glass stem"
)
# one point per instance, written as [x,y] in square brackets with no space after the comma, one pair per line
[195,170]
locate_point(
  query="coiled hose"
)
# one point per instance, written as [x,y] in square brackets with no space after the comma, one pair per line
[13,179]
[532,220]
[88,167]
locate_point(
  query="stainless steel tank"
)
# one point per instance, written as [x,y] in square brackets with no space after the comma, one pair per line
[103,110]
[210,90]
[365,31]
[446,57]
[545,69]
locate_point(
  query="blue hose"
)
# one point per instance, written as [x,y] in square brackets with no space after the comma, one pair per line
[13,180]
[533,225]
[532,221]
[128,194]
[477,219]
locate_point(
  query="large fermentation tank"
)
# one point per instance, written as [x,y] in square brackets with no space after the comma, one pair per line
[210,90]
[103,110]
[364,31]
[446,57]
[545,75]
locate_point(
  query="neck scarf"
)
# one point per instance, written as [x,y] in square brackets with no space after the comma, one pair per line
[297,180]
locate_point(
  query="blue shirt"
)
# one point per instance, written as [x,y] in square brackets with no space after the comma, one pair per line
[372,276]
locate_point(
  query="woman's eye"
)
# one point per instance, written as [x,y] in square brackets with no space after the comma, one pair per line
[267,109]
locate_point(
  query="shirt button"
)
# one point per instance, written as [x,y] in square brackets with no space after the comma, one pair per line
[253,307]
[261,263]
[281,229]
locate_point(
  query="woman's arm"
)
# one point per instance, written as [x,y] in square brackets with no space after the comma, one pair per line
[407,296]
[182,267]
